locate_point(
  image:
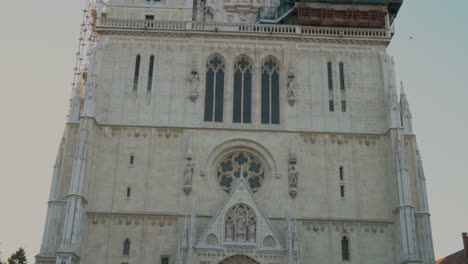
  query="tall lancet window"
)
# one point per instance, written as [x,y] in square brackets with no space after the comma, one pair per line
[137,72]
[126,247]
[270,91]
[242,109]
[150,73]
[214,90]
[345,248]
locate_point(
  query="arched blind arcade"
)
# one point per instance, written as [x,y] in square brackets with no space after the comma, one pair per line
[270,91]
[214,90]
[242,105]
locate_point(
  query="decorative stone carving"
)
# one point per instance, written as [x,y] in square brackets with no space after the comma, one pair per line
[241,224]
[194,79]
[239,259]
[269,242]
[242,6]
[240,165]
[189,167]
[211,240]
[293,174]
[188,173]
[291,88]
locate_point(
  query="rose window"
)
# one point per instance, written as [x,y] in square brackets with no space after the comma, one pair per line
[240,165]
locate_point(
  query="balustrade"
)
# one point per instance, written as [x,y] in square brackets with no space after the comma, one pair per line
[110,23]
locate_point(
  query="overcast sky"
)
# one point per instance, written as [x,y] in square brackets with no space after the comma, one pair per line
[38,42]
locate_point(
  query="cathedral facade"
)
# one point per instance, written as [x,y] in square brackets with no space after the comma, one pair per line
[239,131]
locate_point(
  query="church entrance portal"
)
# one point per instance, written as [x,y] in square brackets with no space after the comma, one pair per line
[239,259]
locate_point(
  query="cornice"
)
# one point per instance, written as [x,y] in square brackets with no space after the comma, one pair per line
[251,36]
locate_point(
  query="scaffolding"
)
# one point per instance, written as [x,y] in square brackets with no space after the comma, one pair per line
[307,14]
[86,42]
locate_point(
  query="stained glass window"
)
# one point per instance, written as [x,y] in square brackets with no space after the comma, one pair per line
[214,89]
[242,105]
[240,165]
[270,91]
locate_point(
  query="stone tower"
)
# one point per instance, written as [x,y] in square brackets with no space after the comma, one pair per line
[239,131]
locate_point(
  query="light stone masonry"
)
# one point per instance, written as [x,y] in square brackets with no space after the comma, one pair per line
[139,161]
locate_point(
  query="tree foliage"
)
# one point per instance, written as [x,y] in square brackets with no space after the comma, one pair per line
[19,257]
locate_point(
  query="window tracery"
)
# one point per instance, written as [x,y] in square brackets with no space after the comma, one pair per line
[242,90]
[270,91]
[241,224]
[240,165]
[214,92]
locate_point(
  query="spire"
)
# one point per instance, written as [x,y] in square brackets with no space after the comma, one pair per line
[405,112]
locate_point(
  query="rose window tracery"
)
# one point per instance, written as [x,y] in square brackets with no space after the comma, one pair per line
[241,224]
[240,165]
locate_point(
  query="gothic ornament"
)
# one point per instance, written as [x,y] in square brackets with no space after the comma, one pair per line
[188,174]
[293,174]
[194,79]
[239,259]
[189,167]
[291,88]
[237,166]
[241,224]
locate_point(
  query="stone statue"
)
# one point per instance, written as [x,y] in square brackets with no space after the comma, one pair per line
[291,88]
[188,174]
[252,230]
[194,79]
[229,229]
[241,225]
[293,177]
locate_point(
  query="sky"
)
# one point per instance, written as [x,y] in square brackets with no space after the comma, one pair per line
[38,42]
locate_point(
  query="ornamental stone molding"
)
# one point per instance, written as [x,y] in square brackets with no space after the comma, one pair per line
[367,140]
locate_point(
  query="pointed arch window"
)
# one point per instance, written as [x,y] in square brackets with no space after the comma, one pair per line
[214,89]
[342,77]
[270,91]
[242,105]
[345,248]
[126,247]
[137,72]
[150,73]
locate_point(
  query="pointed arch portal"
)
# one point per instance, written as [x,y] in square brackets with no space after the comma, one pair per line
[239,259]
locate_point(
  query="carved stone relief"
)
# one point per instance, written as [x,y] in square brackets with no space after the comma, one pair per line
[211,240]
[241,224]
[269,242]
[293,174]
[194,80]
[239,259]
[291,88]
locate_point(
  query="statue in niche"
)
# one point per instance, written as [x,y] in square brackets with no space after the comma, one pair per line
[194,79]
[293,177]
[291,88]
[188,174]
[229,229]
[240,224]
[252,229]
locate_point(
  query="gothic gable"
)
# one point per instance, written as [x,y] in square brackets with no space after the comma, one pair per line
[240,222]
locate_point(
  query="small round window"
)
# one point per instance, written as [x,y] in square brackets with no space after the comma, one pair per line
[240,165]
